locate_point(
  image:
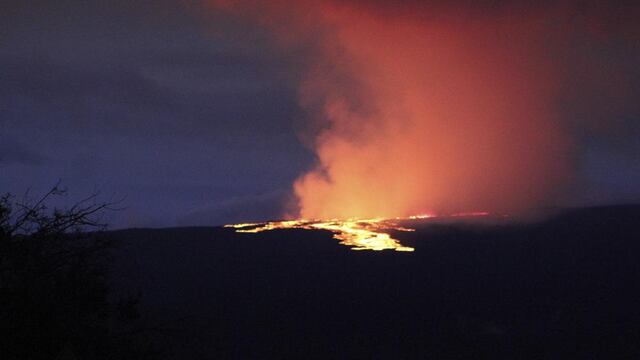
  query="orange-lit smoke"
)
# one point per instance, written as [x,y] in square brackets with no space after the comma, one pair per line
[425,107]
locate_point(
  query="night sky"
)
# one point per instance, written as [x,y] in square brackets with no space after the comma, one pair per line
[192,116]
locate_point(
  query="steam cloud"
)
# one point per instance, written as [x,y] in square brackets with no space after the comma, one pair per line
[424,106]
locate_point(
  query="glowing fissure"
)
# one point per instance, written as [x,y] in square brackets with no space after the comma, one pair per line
[359,234]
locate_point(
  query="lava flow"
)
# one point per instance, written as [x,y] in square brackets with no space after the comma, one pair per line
[360,234]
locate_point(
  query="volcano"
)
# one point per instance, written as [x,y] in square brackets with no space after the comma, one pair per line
[566,287]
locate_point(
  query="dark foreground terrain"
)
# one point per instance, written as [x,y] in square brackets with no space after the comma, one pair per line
[568,287]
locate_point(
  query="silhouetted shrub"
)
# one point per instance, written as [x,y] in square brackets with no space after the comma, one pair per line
[54,298]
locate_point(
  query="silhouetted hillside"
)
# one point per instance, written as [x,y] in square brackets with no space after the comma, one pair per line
[567,287]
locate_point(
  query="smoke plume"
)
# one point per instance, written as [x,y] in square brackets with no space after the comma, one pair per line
[427,106]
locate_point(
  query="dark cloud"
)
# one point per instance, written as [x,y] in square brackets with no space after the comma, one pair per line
[139,100]
[246,208]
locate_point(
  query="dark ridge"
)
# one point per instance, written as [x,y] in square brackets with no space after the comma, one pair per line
[567,287]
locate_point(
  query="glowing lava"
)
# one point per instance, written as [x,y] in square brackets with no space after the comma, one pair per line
[359,234]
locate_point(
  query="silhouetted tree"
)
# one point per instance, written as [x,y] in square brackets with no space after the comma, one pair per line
[54,299]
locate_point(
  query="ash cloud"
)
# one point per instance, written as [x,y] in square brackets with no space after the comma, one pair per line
[429,106]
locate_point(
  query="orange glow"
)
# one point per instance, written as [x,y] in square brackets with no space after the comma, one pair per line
[359,234]
[470,214]
[422,216]
[422,105]
[445,105]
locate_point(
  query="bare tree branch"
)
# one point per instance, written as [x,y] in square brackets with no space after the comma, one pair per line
[33,218]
